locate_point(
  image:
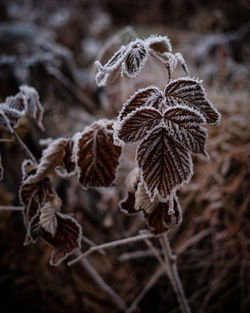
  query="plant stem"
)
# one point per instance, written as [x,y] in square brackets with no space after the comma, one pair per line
[23,145]
[11,208]
[110,245]
[170,260]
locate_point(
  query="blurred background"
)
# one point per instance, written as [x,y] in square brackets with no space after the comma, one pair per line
[52,45]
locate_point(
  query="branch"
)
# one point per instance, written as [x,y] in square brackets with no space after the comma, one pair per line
[110,245]
[25,148]
[174,276]
[10,208]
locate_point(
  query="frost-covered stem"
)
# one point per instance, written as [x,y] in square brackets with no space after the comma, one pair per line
[103,285]
[23,145]
[6,140]
[11,208]
[170,260]
[110,245]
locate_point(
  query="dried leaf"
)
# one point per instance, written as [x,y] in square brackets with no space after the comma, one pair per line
[181,60]
[150,96]
[52,157]
[159,44]
[159,219]
[33,197]
[97,156]
[66,240]
[132,179]
[190,92]
[135,59]
[165,165]
[16,102]
[9,117]
[33,107]
[127,205]
[69,165]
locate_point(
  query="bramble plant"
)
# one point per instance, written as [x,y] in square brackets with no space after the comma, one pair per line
[166,124]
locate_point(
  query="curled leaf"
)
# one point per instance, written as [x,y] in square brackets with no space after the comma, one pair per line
[127,205]
[165,165]
[66,240]
[135,59]
[159,44]
[96,155]
[190,92]
[32,104]
[52,157]
[69,165]
[9,117]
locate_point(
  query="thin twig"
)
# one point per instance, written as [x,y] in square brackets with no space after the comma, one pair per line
[6,140]
[11,208]
[103,285]
[23,145]
[145,290]
[174,276]
[92,244]
[110,245]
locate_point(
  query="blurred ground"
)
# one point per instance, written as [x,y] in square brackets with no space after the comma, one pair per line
[53,50]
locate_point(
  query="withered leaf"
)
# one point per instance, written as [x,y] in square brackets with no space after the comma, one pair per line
[66,240]
[150,96]
[33,106]
[69,165]
[159,44]
[33,197]
[190,92]
[127,205]
[135,59]
[52,157]
[9,117]
[96,155]
[164,163]
[160,221]
[135,126]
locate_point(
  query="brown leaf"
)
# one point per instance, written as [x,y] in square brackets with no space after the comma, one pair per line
[33,106]
[190,92]
[66,240]
[160,221]
[159,44]
[135,59]
[69,166]
[97,156]
[135,126]
[165,164]
[33,197]
[150,96]
[52,157]
[127,205]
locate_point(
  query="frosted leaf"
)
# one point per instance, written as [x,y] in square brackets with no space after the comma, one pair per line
[150,96]
[135,126]
[33,107]
[1,168]
[69,165]
[108,73]
[9,117]
[52,157]
[96,155]
[66,240]
[181,60]
[159,44]
[190,92]
[16,102]
[159,219]
[48,219]
[135,59]
[142,200]
[33,197]
[165,165]
[132,179]
[127,205]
